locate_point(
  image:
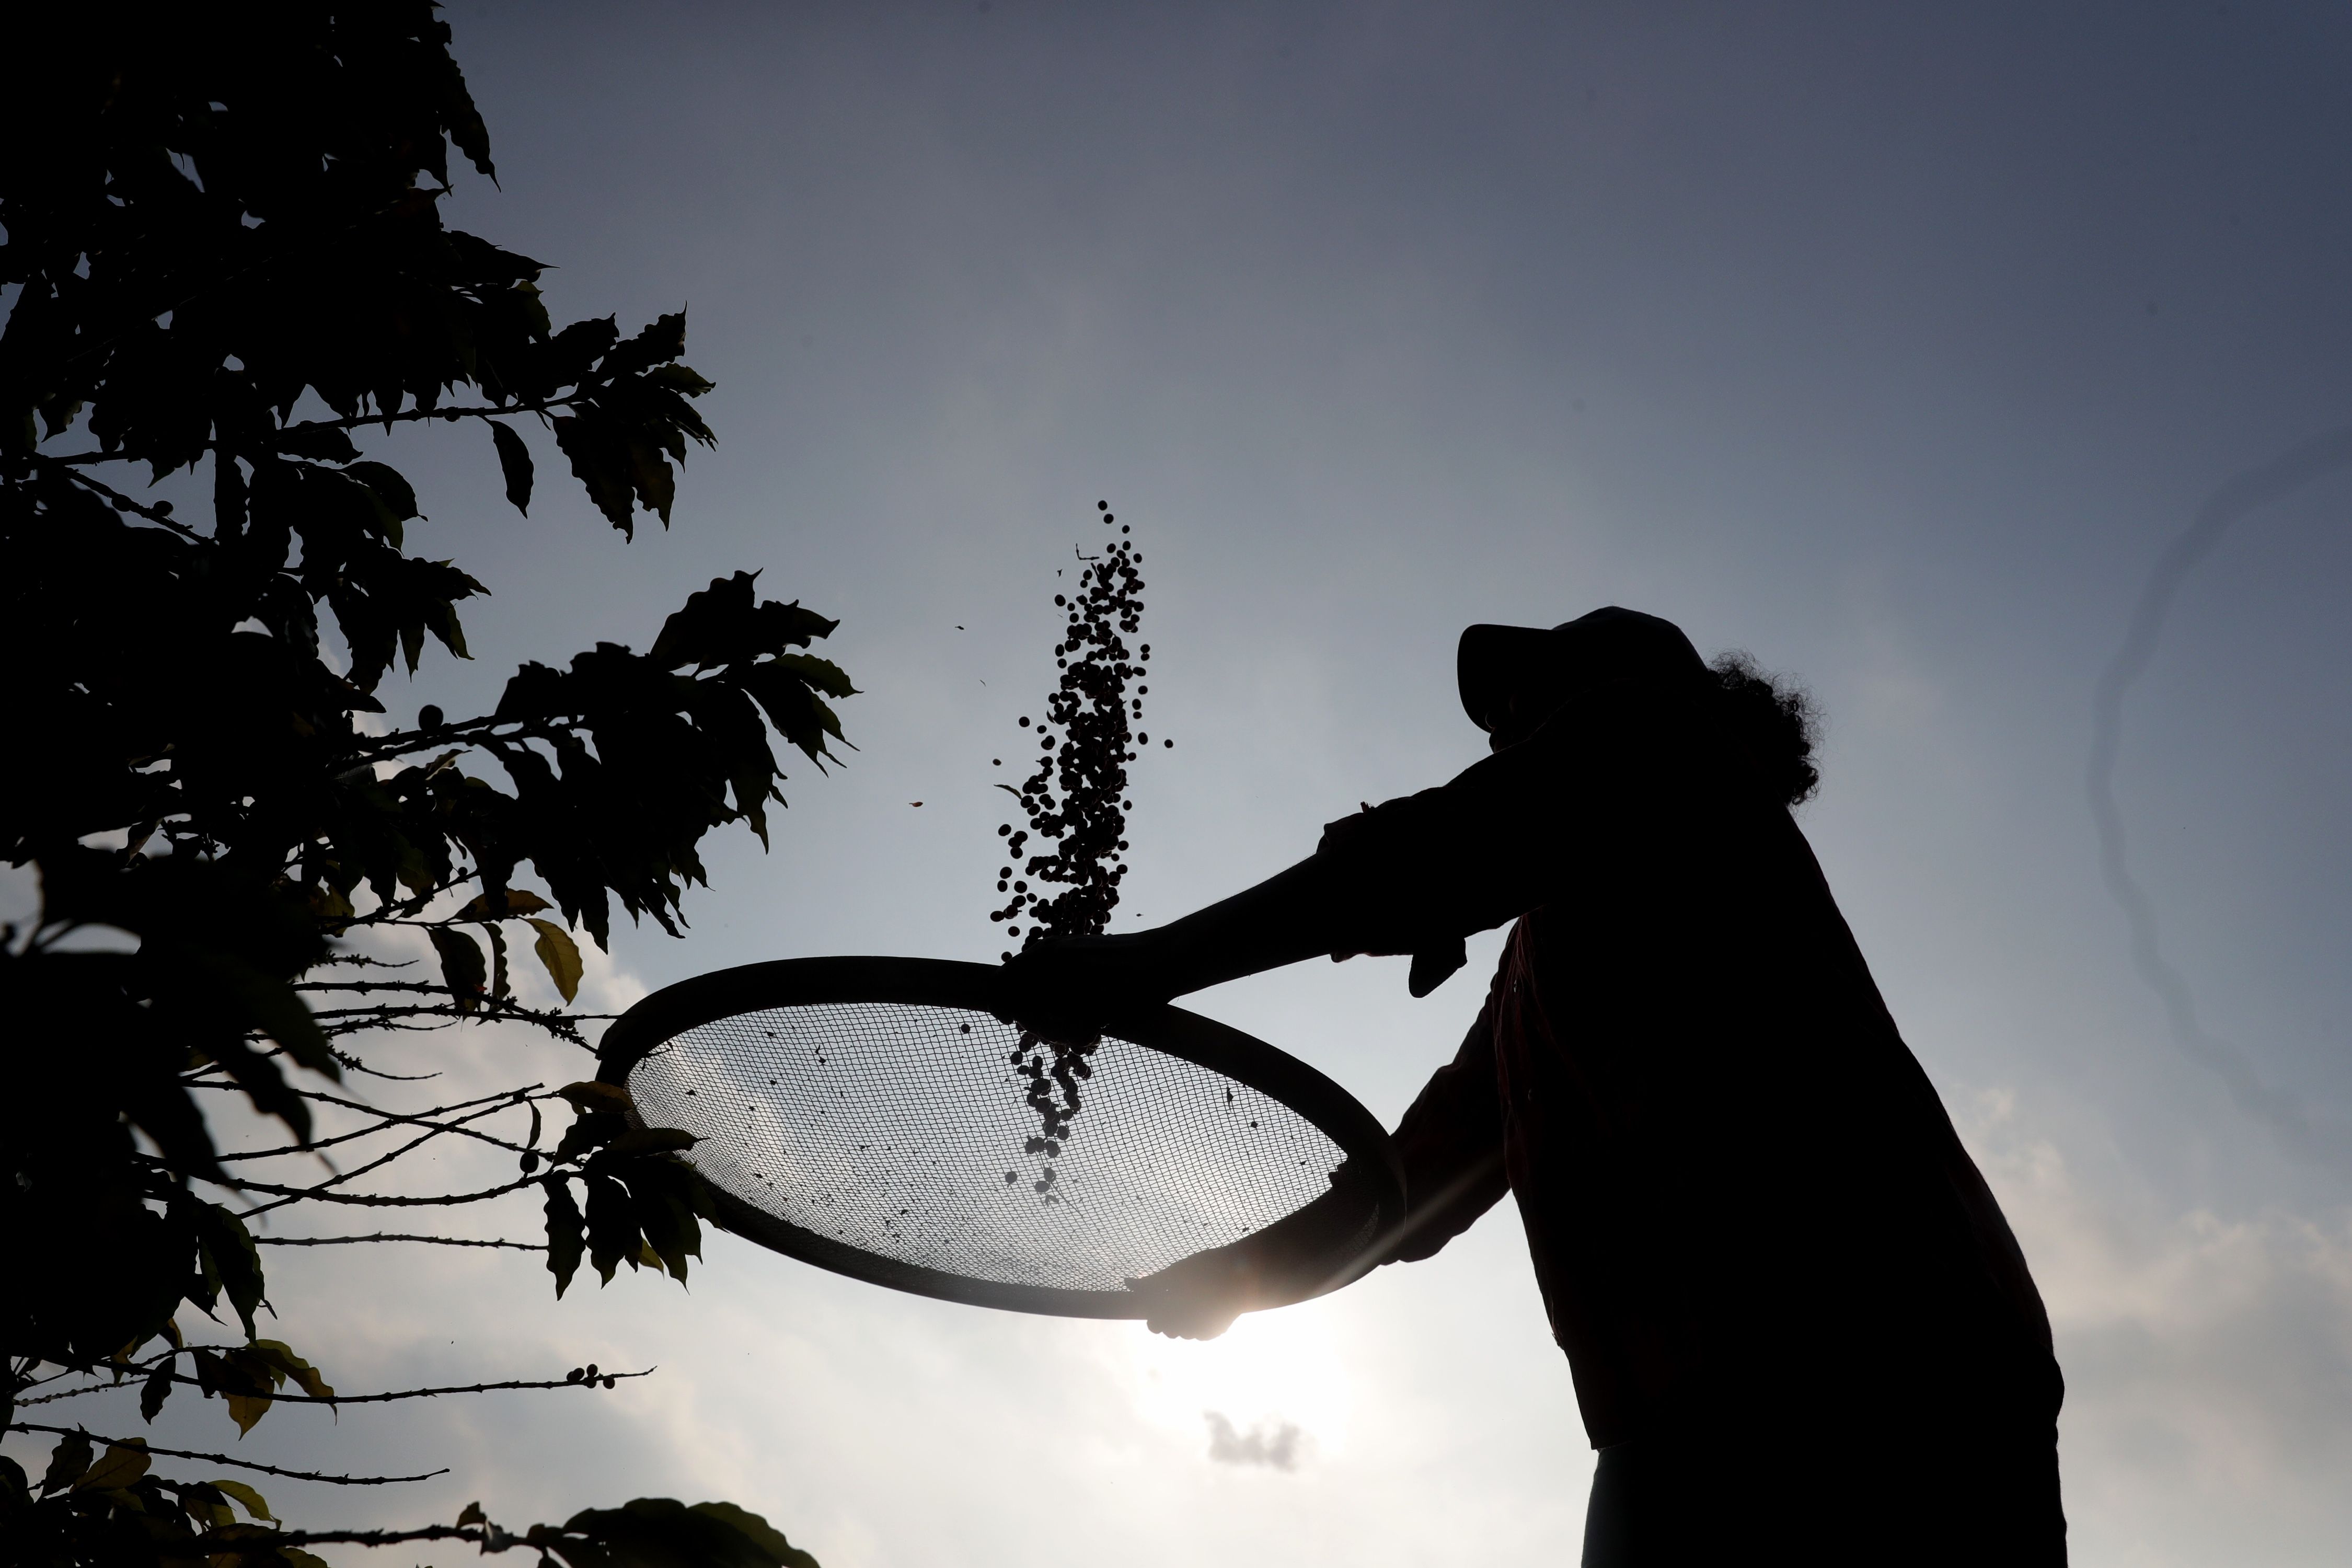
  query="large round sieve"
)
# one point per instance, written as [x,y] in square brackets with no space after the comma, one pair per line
[865,1115]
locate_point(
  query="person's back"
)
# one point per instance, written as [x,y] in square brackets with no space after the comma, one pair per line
[1781,1284]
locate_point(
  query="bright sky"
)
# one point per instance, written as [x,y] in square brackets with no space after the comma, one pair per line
[1893,344]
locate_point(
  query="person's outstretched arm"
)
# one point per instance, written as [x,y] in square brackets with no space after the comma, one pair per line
[1295,914]
[1414,875]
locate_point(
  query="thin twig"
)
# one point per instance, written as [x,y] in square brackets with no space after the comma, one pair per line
[277,1398]
[160,516]
[67,1393]
[360,1067]
[411,415]
[387,1537]
[486,1010]
[373,1200]
[349,1240]
[142,1443]
[339,1177]
[489,1102]
[340,1020]
[464,734]
[26,1380]
[361,1025]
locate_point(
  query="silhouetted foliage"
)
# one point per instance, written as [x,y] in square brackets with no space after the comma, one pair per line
[226,260]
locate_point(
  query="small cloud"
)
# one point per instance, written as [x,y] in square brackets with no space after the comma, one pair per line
[1275,1445]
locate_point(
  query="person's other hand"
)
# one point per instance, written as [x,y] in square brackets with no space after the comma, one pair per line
[1088,979]
[1198,1298]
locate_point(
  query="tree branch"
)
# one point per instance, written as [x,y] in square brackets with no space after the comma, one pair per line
[140,1443]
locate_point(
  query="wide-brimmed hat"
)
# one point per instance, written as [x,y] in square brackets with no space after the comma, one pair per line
[1610,644]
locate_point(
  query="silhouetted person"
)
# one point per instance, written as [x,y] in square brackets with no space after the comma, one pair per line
[1800,1329]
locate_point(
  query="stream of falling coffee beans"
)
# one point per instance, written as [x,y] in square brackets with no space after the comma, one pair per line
[1076,797]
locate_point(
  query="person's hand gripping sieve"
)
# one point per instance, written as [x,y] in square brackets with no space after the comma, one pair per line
[1089,980]
[1198,1298]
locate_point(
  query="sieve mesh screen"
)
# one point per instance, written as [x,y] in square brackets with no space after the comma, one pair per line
[893,1128]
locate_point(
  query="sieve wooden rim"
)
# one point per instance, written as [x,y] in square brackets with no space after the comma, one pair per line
[982,988]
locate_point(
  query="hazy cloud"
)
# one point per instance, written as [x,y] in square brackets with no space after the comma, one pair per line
[1272,1444]
[2207,1355]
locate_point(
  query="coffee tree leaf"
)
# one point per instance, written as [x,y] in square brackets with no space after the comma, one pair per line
[154,1390]
[204,1504]
[599,459]
[588,1131]
[566,1230]
[503,905]
[764,1536]
[640,1141]
[247,1410]
[561,954]
[462,968]
[386,484]
[230,1257]
[514,465]
[822,673]
[281,1356]
[122,1464]
[592,1096]
[660,1532]
[613,1234]
[246,1378]
[68,1461]
[253,1502]
[661,340]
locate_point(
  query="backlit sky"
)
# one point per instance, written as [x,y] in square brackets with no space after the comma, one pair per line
[1890,343]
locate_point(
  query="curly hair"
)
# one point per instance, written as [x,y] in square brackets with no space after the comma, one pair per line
[1774,722]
